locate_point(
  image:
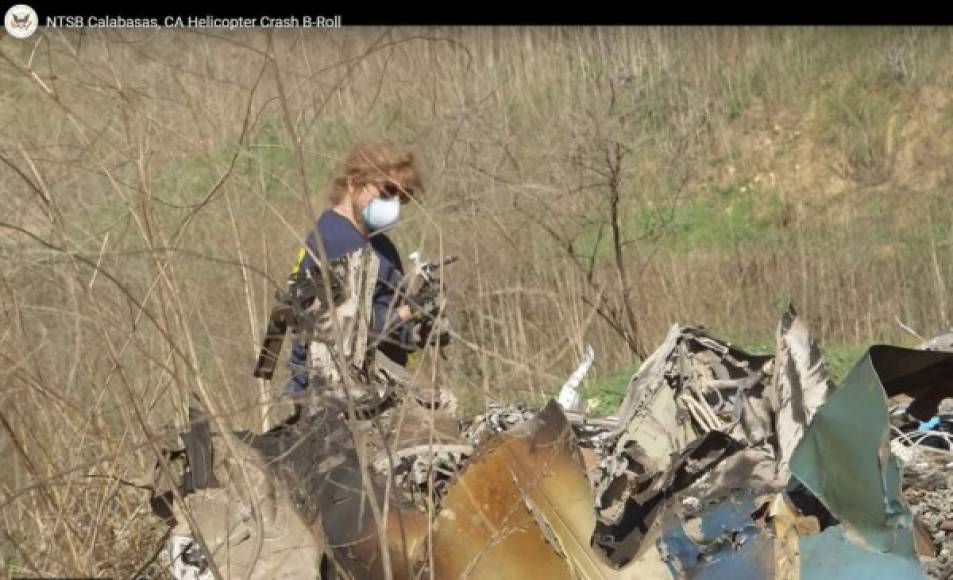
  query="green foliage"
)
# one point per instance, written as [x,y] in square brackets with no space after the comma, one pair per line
[609,389]
[705,222]
[840,358]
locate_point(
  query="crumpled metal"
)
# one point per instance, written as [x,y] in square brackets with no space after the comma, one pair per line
[720,464]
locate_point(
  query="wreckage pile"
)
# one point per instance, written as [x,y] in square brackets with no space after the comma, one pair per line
[719,463]
[928,488]
[926,449]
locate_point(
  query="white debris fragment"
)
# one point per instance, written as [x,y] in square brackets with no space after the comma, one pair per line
[904,453]
[692,505]
[187,561]
[570,398]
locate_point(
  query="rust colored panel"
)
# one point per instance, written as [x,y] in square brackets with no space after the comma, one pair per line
[485,529]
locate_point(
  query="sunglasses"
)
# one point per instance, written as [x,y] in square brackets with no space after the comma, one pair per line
[390,189]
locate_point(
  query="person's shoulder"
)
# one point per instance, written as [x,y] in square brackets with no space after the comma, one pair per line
[338,235]
[327,216]
[329,220]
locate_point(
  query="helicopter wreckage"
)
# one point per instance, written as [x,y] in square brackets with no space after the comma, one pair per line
[718,464]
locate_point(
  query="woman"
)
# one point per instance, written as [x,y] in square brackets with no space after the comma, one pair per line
[376,180]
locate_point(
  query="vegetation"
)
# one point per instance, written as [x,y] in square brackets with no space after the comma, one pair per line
[598,184]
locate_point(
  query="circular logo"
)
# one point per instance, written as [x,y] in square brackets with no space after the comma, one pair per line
[21,21]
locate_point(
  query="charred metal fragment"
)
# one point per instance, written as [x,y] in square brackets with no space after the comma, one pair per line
[198,448]
[317,459]
[622,539]
[692,384]
[924,375]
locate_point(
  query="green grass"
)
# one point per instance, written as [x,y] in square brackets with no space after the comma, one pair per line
[839,359]
[715,221]
[609,390]
[268,160]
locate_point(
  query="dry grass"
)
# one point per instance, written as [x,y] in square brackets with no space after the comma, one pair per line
[598,185]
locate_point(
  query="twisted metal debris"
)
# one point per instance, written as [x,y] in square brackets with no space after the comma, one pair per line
[719,464]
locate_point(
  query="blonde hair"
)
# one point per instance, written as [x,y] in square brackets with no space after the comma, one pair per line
[377,163]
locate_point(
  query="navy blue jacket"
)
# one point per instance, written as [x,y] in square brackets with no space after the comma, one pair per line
[340,237]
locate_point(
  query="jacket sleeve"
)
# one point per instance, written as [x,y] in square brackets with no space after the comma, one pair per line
[388,327]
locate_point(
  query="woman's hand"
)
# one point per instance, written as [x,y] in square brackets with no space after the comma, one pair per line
[404,313]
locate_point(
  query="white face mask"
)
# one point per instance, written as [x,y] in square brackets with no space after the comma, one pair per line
[381,213]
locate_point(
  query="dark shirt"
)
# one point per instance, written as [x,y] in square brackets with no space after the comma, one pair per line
[340,237]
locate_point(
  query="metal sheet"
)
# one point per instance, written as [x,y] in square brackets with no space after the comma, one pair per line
[844,460]
[524,508]
[831,555]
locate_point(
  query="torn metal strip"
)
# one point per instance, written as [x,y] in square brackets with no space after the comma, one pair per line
[799,387]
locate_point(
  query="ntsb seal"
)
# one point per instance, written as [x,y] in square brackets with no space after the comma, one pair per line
[20,21]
